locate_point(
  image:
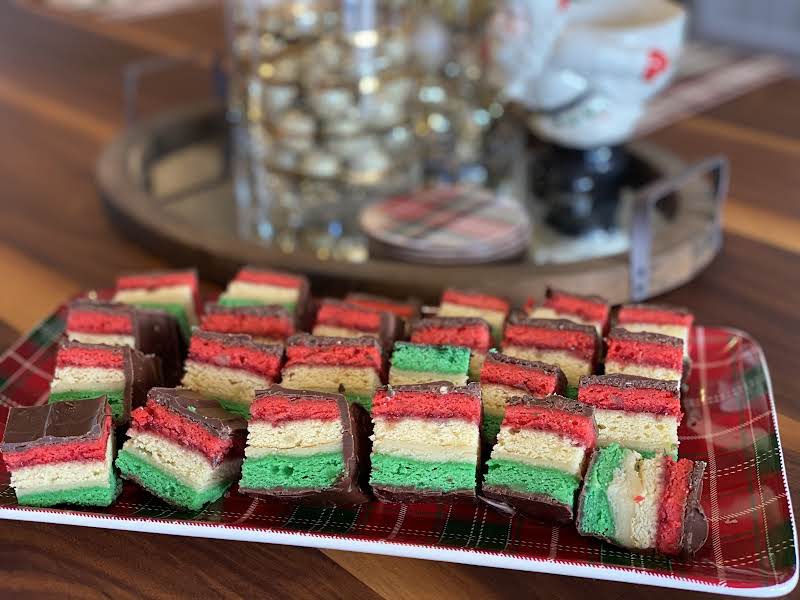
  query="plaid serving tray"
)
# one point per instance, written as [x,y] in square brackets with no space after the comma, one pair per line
[730,422]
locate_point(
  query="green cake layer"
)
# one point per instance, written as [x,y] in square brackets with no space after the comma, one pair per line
[237,408]
[166,486]
[294,472]
[365,401]
[491,426]
[116,399]
[572,392]
[234,302]
[395,471]
[436,359]
[520,477]
[176,310]
[87,496]
[597,516]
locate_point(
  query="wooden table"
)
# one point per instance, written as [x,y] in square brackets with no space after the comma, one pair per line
[60,102]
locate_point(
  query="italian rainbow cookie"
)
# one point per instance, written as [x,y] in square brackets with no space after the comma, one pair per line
[470,332]
[424,363]
[645,354]
[558,304]
[646,504]
[504,377]
[666,320]
[341,319]
[469,303]
[253,286]
[265,324]
[306,446]
[635,412]
[537,464]
[426,442]
[404,309]
[229,368]
[120,373]
[61,453]
[182,448]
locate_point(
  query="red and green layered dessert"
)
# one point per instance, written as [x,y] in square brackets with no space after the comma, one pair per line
[341,319]
[263,287]
[115,324]
[230,368]
[558,304]
[504,377]
[469,332]
[645,354]
[306,446]
[120,373]
[537,463]
[266,324]
[470,303]
[635,412]
[648,504]
[61,453]
[424,363]
[407,310]
[571,346]
[666,320]
[352,366]
[182,448]
[426,442]
[176,292]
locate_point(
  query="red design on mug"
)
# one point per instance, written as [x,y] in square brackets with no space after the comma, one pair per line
[657,63]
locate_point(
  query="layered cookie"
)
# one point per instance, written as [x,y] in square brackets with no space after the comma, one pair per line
[635,412]
[666,320]
[352,366]
[648,504]
[306,446]
[469,332]
[426,442]
[558,304]
[571,346]
[266,324]
[120,373]
[176,292]
[182,448]
[503,377]
[645,354]
[336,318]
[468,303]
[61,453]
[423,363]
[115,324]
[229,368]
[253,286]
[407,310]
[537,463]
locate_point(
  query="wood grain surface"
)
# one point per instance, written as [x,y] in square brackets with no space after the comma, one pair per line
[61,100]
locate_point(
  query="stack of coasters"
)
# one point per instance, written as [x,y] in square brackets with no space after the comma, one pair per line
[423,363]
[341,319]
[537,464]
[306,446]
[182,448]
[265,324]
[635,412]
[229,368]
[643,503]
[254,287]
[666,320]
[558,304]
[61,453]
[469,332]
[176,292]
[120,373]
[573,347]
[645,354]
[426,442]
[504,377]
[470,303]
[352,366]
[150,331]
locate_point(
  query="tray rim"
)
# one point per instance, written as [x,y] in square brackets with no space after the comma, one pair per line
[469,556]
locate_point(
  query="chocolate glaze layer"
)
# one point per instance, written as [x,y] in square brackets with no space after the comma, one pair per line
[518,318]
[275,311]
[442,388]
[59,423]
[448,322]
[646,337]
[588,297]
[634,382]
[322,341]
[679,310]
[406,495]
[200,410]
[535,506]
[499,357]
[554,402]
[239,339]
[695,523]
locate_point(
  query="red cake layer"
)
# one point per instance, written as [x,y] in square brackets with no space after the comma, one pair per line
[476,337]
[673,504]
[276,327]
[475,299]
[586,309]
[364,355]
[234,356]
[157,280]
[275,278]
[339,314]
[278,409]
[55,453]
[401,309]
[660,402]
[426,405]
[535,381]
[576,427]
[642,353]
[653,314]
[576,342]
[86,356]
[89,321]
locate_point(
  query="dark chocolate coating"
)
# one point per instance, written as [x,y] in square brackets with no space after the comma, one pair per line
[554,402]
[588,297]
[403,495]
[679,310]
[271,310]
[646,337]
[535,506]
[200,410]
[473,388]
[518,318]
[630,382]
[239,339]
[561,379]
[321,341]
[448,322]
[695,523]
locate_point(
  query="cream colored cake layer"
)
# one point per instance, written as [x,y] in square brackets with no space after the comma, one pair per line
[496,396]
[69,475]
[332,331]
[78,379]
[476,360]
[111,339]
[540,449]
[634,495]
[401,377]
[356,380]
[574,368]
[545,312]
[300,438]
[643,371]
[424,439]
[495,318]
[184,464]
[270,294]
[639,431]
[221,382]
[678,331]
[173,294]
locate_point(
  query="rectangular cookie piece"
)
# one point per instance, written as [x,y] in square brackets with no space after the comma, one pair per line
[471,303]
[305,446]
[424,363]
[470,332]
[559,304]
[265,324]
[674,321]
[404,309]
[253,286]
[644,354]
[336,318]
